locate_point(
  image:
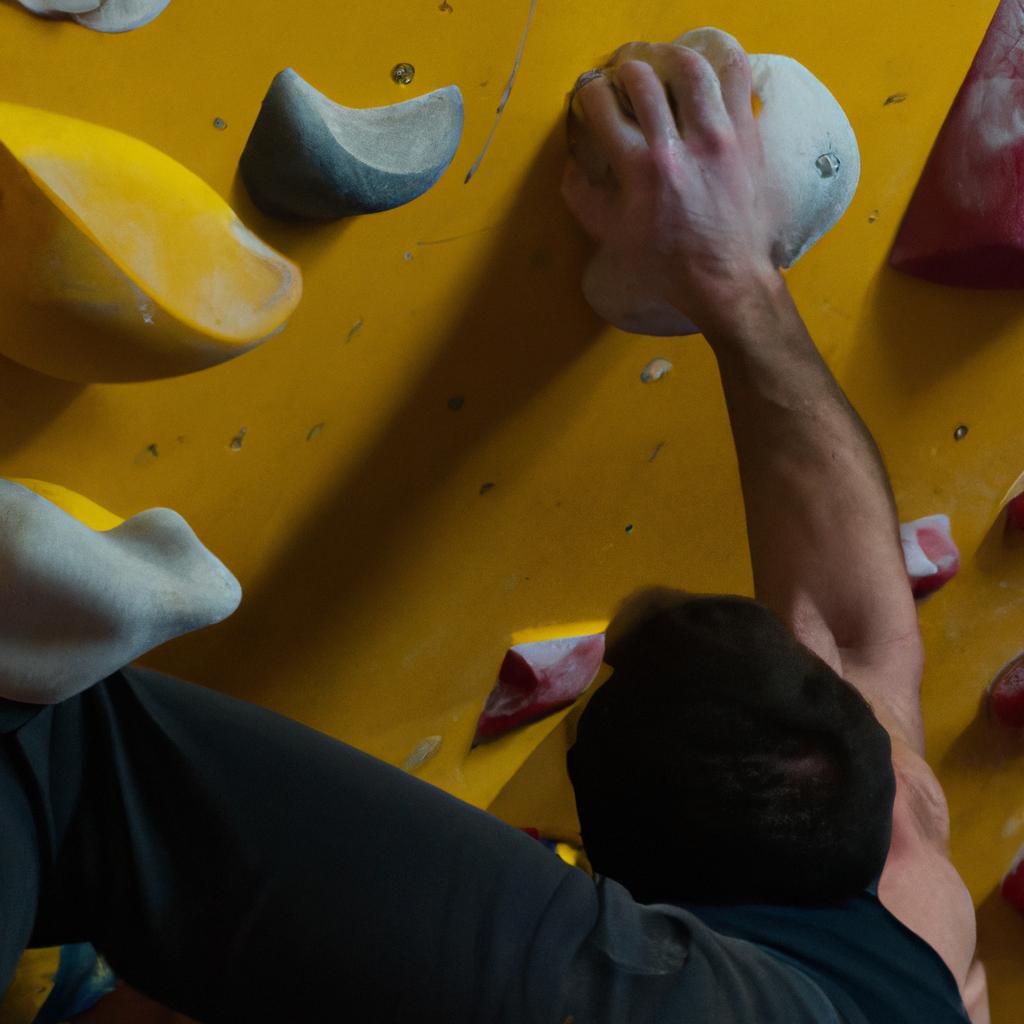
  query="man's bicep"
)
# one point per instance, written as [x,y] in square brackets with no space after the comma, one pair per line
[889,679]
[886,671]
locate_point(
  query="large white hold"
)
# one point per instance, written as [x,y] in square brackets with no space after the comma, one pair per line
[78,604]
[812,164]
[101,15]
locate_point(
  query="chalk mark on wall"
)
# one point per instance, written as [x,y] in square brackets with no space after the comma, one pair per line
[506,94]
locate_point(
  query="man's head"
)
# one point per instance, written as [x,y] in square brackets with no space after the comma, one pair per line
[723,763]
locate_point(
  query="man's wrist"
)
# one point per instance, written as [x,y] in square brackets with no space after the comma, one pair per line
[746,314]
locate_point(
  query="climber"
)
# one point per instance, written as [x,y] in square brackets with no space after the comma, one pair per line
[768,840]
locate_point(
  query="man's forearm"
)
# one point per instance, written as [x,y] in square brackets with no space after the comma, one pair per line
[822,523]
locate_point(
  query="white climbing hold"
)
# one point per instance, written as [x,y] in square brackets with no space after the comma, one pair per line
[930,552]
[122,15]
[56,8]
[812,169]
[100,15]
[80,603]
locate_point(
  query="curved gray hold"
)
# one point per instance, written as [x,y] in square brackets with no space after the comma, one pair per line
[309,158]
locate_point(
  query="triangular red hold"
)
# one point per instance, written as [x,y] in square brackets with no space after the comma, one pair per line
[538,679]
[965,224]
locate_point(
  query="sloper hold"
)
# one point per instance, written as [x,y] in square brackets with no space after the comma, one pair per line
[537,679]
[965,222]
[119,264]
[101,15]
[932,556]
[85,593]
[309,158]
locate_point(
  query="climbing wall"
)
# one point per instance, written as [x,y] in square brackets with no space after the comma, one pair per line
[446,446]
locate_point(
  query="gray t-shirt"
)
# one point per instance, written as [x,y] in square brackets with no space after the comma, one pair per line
[852,963]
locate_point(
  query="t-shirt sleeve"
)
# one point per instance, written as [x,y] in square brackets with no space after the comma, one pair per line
[662,965]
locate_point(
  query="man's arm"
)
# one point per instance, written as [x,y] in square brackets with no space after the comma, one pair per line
[683,207]
[821,520]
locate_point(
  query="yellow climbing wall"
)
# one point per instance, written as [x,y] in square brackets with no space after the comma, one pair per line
[344,470]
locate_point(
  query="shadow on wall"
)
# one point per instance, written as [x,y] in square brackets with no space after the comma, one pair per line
[515,334]
[926,332]
[1000,928]
[998,545]
[304,242]
[984,748]
[29,402]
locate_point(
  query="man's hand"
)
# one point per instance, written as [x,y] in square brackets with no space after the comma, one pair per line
[667,176]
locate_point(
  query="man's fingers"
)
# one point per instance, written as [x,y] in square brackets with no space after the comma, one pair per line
[648,99]
[730,61]
[697,92]
[599,125]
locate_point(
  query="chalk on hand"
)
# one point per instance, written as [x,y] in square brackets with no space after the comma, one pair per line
[538,679]
[965,223]
[309,158]
[812,169]
[931,555]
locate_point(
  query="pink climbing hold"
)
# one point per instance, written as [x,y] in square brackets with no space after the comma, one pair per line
[1012,889]
[1006,697]
[538,679]
[932,557]
[1015,513]
[965,223]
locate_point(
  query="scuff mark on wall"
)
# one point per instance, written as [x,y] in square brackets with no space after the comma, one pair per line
[239,440]
[355,329]
[457,238]
[506,94]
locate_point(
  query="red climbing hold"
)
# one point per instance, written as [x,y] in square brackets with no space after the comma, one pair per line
[965,223]
[1013,884]
[1015,513]
[537,679]
[1007,695]
[932,556]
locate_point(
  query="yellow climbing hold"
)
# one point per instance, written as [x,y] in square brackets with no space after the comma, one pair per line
[78,507]
[119,264]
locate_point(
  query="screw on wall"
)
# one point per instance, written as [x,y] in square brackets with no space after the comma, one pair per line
[403,74]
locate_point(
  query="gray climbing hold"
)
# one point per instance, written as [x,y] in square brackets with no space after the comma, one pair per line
[309,158]
[101,15]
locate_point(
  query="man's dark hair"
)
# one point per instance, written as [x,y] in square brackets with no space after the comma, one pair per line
[724,763]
